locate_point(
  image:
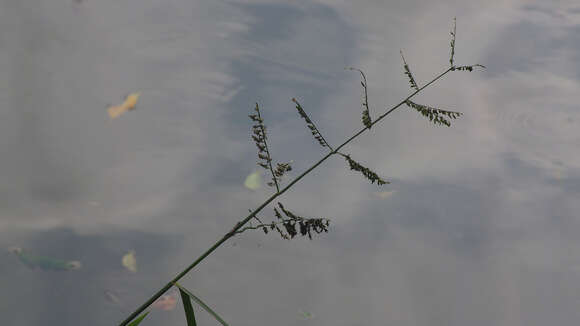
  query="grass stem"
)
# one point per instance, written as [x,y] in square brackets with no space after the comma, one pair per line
[257,210]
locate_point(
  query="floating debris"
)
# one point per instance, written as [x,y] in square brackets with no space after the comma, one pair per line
[130,261]
[253,181]
[128,105]
[166,302]
[112,297]
[44,263]
[305,315]
[384,194]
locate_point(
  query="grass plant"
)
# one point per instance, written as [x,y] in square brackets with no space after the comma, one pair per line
[286,223]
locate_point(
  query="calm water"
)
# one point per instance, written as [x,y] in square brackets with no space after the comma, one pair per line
[478,226]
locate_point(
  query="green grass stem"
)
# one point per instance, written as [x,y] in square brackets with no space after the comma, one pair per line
[257,210]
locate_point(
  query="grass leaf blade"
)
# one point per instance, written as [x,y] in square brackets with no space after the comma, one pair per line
[139,319]
[189,315]
[201,304]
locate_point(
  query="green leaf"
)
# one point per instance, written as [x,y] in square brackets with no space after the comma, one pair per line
[44,263]
[138,320]
[200,303]
[189,315]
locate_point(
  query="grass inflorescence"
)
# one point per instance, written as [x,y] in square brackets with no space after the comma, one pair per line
[366,115]
[287,223]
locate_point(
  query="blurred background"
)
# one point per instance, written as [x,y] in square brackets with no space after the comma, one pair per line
[478,226]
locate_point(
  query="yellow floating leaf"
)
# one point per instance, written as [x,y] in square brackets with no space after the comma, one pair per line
[253,181]
[129,261]
[128,105]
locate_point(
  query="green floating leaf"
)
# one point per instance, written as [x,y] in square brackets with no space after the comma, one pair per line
[189,315]
[253,181]
[44,263]
[305,315]
[200,303]
[138,320]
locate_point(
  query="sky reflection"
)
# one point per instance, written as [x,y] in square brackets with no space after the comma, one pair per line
[478,226]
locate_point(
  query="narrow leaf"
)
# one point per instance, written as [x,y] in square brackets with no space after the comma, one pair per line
[138,320]
[201,304]
[189,315]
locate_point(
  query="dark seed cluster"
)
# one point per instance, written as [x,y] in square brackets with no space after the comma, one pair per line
[435,115]
[453,32]
[467,68]
[259,137]
[281,168]
[291,225]
[306,225]
[311,125]
[366,116]
[365,171]
[409,74]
